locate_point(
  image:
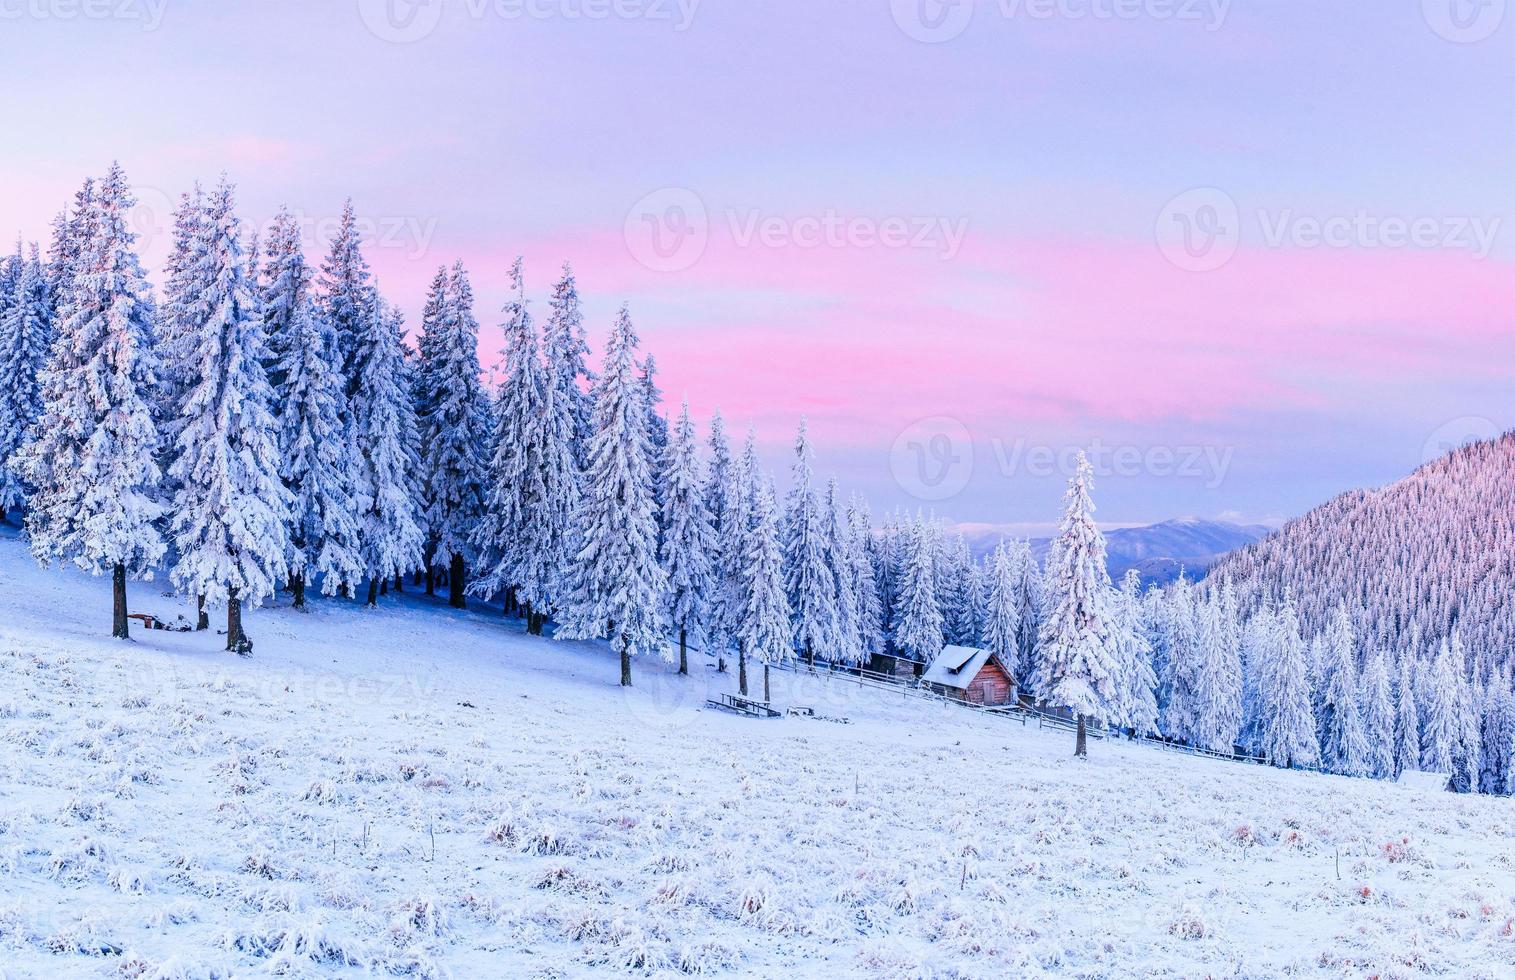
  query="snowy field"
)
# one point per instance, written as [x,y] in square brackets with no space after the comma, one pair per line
[424,791]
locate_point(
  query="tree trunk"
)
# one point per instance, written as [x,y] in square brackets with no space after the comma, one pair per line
[118,624]
[683,652]
[202,618]
[399,581]
[625,663]
[455,584]
[741,668]
[373,591]
[1081,744]
[809,655]
[233,622]
[384,585]
[767,691]
[297,586]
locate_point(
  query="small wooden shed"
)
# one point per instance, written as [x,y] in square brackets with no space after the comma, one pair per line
[972,675]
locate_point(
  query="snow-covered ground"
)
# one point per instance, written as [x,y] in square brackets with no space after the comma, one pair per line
[421,790]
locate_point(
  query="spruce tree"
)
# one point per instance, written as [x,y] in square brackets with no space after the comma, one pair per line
[870,615]
[1136,705]
[918,618]
[687,539]
[454,430]
[721,614]
[808,582]
[230,509]
[1406,718]
[26,335]
[348,301]
[91,462]
[1377,697]
[1078,665]
[847,624]
[617,583]
[1345,743]
[566,349]
[1287,731]
[764,630]
[382,423]
[1002,625]
[1497,737]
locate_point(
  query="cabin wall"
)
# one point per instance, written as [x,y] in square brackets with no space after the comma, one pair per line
[991,687]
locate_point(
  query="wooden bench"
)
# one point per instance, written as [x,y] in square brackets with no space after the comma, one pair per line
[743,706]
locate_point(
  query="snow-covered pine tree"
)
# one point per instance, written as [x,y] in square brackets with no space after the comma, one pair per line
[230,509]
[1078,665]
[566,349]
[918,631]
[454,430]
[764,629]
[807,579]
[70,229]
[348,301]
[1136,706]
[1217,692]
[1256,648]
[1443,716]
[1377,703]
[849,636]
[957,591]
[26,335]
[722,606]
[1002,625]
[1406,717]
[870,614]
[1469,749]
[687,539]
[1345,743]
[382,424]
[1031,604]
[316,463]
[1498,736]
[657,436]
[177,323]
[1287,731]
[617,582]
[91,462]
[1180,718]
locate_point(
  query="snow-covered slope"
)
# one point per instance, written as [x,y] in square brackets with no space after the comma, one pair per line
[426,790]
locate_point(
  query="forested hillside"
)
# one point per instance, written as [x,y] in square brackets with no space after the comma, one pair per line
[1412,560]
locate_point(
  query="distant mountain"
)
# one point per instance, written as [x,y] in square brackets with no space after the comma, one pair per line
[1413,560]
[1157,551]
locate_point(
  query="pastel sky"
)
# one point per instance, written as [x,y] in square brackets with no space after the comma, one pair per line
[1254,253]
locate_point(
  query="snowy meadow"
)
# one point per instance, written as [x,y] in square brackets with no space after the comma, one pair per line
[418,790]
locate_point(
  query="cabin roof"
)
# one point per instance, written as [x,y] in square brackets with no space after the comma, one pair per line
[956,666]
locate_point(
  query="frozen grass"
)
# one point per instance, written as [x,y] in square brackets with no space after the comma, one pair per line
[420,791]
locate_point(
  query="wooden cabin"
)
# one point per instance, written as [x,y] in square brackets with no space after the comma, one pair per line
[971,675]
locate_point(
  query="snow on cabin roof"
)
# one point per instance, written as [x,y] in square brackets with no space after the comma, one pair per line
[956,666]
